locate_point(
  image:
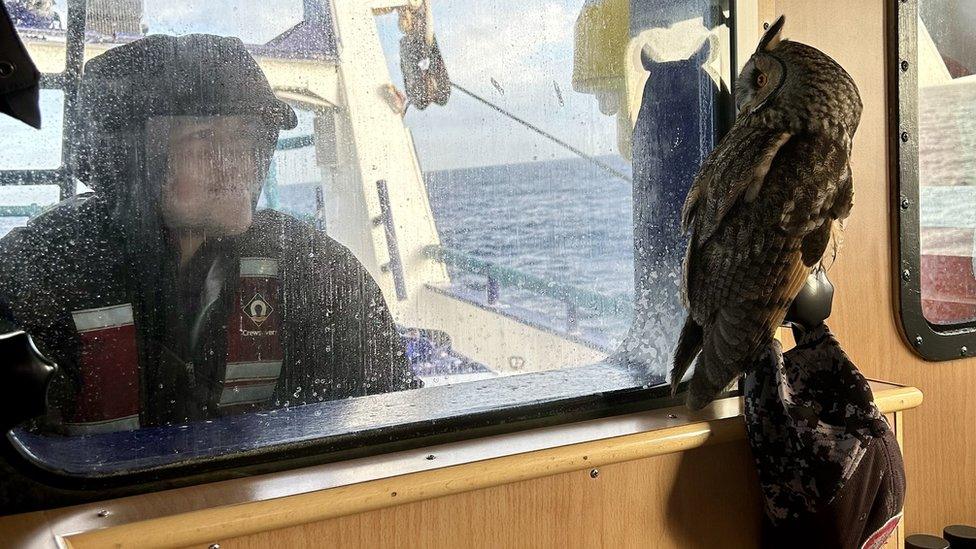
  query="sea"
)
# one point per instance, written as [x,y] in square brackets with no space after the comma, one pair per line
[565,220]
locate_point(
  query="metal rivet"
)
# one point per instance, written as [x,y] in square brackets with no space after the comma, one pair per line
[104,513]
[918,341]
[431,457]
[6,69]
[765,25]
[594,473]
[904,137]
[906,275]
[904,65]
[905,203]
[963,350]
[672,416]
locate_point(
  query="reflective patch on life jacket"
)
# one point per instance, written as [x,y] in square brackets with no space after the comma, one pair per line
[254,353]
[250,371]
[259,267]
[108,399]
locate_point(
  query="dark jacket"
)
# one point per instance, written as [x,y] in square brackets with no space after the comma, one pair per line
[280,315]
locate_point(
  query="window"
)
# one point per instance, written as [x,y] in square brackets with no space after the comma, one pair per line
[947,160]
[941,179]
[24,148]
[19,203]
[357,226]
[41,26]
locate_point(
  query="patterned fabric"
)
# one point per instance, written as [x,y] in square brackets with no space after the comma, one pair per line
[810,417]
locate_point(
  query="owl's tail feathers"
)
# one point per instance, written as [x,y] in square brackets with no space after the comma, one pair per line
[689,344]
[712,375]
[733,342]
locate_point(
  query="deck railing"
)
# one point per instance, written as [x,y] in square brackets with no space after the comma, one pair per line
[499,276]
[20,211]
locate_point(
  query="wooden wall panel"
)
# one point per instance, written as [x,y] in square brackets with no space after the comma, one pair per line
[702,498]
[940,440]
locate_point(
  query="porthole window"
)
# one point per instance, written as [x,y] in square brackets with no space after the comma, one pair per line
[936,140]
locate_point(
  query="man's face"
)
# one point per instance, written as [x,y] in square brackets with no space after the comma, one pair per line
[215,167]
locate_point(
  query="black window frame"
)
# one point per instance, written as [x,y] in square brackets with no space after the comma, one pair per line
[66,81]
[604,389]
[933,342]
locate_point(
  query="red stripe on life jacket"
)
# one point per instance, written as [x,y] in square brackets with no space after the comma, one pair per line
[108,399]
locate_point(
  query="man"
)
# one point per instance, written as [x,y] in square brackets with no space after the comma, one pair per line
[165,296]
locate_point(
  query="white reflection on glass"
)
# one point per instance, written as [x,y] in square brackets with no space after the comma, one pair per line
[947,159]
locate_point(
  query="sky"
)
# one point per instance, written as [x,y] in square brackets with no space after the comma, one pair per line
[525,46]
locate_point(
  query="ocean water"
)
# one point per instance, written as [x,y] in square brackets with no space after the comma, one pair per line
[563,220]
[32,196]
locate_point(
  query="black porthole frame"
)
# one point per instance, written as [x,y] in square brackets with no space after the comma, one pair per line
[931,342]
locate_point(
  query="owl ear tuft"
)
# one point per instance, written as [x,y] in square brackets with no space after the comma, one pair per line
[773,35]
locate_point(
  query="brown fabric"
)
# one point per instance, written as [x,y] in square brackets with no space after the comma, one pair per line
[872,496]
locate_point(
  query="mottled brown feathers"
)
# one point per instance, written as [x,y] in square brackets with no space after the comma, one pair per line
[761,211]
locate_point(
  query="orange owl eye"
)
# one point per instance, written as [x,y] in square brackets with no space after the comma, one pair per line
[761,80]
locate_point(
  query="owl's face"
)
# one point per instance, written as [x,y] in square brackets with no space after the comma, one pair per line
[760,80]
[789,86]
[762,77]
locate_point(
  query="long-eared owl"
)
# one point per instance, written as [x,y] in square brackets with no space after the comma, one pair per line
[762,208]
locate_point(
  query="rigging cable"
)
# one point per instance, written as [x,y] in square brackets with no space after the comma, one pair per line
[595,161]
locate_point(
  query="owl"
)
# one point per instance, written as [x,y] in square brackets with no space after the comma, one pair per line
[760,213]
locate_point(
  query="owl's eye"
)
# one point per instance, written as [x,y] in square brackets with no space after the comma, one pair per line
[761,80]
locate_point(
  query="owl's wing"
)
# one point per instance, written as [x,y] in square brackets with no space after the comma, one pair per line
[735,170]
[742,278]
[823,192]
[736,167]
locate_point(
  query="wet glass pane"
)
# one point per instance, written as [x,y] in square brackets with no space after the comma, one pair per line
[294,181]
[281,27]
[20,203]
[24,148]
[539,163]
[947,159]
[450,204]
[41,26]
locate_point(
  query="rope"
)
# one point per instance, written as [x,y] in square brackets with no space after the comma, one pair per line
[600,164]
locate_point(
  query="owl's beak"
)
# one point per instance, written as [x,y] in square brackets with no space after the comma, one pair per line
[743,104]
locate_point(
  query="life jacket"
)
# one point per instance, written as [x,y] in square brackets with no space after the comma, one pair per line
[110,391]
